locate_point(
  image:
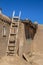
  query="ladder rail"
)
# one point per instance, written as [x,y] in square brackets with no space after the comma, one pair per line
[16,37]
[17,34]
[9,35]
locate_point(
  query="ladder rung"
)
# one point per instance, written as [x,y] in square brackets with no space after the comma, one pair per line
[10,52]
[12,38]
[12,41]
[14,25]
[11,48]
[11,44]
[13,34]
[14,22]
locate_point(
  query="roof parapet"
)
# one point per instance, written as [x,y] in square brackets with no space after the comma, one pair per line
[36,22]
[36,25]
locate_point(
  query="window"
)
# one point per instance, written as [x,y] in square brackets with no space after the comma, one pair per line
[4,31]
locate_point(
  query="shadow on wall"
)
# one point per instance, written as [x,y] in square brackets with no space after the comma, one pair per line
[30,31]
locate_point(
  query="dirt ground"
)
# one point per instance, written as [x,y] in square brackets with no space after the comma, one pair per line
[15,60]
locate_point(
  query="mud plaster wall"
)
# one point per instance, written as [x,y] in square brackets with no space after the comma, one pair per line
[37,44]
[24,47]
[27,45]
[20,39]
[3,40]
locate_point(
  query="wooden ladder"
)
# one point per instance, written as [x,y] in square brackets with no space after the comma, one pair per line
[12,41]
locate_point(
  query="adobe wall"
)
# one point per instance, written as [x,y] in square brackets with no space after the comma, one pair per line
[21,38]
[24,46]
[3,40]
[37,44]
[28,33]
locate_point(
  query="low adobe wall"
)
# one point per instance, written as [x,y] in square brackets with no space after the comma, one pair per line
[24,47]
[37,44]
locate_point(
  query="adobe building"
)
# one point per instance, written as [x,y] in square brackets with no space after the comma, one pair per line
[4,33]
[27,31]
[20,37]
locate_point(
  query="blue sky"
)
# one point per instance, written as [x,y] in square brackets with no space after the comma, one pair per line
[31,9]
